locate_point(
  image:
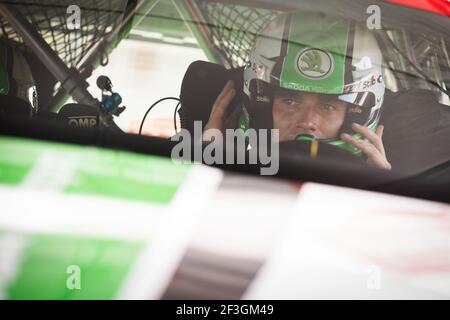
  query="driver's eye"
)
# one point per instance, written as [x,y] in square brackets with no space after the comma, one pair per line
[327,107]
[290,102]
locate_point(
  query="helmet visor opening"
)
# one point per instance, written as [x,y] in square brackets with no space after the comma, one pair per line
[355,99]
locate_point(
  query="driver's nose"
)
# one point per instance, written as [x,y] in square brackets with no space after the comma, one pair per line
[308,120]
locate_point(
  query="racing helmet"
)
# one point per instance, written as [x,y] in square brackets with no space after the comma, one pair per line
[315,53]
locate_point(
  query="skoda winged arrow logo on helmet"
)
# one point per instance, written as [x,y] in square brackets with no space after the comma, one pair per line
[314,63]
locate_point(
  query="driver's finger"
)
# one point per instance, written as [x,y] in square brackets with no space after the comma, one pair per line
[380,162]
[375,157]
[369,149]
[232,120]
[379,132]
[373,137]
[224,98]
[216,119]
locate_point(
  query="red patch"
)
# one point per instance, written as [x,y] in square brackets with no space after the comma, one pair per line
[436,6]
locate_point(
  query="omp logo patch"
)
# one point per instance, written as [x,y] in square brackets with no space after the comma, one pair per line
[86,122]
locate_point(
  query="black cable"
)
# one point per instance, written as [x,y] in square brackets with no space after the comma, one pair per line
[175,117]
[151,107]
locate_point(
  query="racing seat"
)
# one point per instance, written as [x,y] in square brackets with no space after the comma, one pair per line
[417,130]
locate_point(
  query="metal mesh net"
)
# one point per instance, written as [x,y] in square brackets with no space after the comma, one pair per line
[233,28]
[50,17]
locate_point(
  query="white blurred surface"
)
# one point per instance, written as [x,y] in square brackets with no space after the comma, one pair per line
[350,244]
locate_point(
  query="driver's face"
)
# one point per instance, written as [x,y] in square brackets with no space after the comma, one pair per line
[296,113]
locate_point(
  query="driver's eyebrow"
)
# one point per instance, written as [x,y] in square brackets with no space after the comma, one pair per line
[287,94]
[329,99]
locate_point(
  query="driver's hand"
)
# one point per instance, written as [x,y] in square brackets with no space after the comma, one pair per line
[373,148]
[217,118]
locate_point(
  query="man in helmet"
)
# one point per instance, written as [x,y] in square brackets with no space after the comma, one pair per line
[314,77]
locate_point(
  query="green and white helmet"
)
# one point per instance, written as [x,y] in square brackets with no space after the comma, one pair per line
[317,53]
